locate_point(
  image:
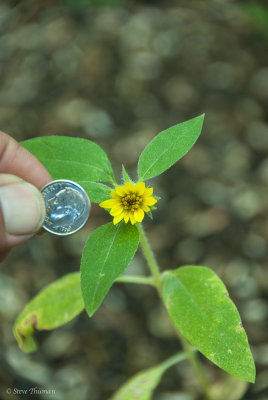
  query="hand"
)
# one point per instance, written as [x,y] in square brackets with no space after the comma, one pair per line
[22,208]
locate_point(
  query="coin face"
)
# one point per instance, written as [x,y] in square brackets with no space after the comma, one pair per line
[67,207]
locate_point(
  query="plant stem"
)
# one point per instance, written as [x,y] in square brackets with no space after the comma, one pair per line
[157,281]
[144,280]
[175,359]
[149,257]
[192,356]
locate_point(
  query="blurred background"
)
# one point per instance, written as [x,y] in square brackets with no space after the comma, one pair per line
[118,72]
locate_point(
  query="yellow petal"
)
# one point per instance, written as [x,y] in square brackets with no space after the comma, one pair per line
[139,188]
[139,215]
[120,190]
[132,218]
[126,217]
[148,191]
[145,208]
[108,203]
[129,187]
[149,201]
[118,218]
[114,194]
[118,206]
[116,210]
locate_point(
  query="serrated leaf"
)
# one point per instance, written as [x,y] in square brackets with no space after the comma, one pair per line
[150,215]
[106,255]
[168,147]
[199,305]
[71,158]
[55,305]
[142,385]
[126,177]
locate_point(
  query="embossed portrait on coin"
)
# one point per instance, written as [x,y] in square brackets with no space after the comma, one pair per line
[65,207]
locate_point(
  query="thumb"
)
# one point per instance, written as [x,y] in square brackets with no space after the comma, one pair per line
[22,211]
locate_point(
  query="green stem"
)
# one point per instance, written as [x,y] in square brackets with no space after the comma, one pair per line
[192,356]
[144,280]
[157,280]
[175,359]
[149,257]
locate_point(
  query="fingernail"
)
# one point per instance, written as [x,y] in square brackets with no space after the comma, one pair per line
[23,208]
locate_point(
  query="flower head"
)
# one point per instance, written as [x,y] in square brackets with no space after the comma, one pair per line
[129,202]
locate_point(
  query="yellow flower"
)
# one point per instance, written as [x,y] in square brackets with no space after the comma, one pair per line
[129,202]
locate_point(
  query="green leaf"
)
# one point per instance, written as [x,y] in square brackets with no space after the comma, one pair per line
[230,388]
[199,305]
[259,16]
[168,147]
[97,191]
[106,255]
[55,305]
[150,215]
[142,385]
[71,158]
[126,177]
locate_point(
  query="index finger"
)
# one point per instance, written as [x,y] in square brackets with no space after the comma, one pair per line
[16,160]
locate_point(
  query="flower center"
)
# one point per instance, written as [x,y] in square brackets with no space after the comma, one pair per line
[131,202]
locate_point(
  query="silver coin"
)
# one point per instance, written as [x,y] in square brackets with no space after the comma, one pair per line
[67,207]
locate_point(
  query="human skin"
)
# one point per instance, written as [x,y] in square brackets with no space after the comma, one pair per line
[22,208]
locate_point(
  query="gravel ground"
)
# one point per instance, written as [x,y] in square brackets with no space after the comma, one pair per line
[118,76]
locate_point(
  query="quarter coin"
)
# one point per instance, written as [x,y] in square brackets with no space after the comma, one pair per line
[67,207]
